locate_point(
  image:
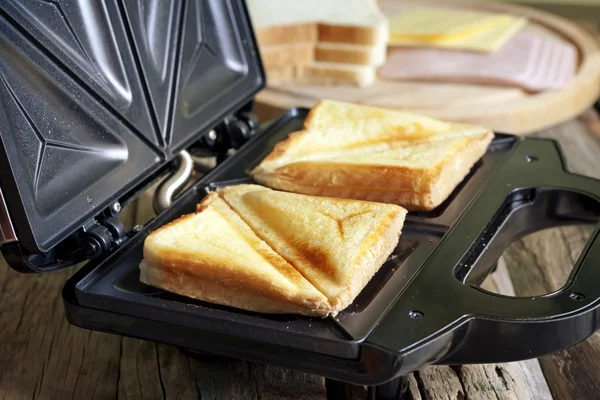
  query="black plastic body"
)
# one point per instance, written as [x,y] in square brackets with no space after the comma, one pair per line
[421,307]
[98,97]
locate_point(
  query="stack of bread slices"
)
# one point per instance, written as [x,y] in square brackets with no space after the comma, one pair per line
[323,42]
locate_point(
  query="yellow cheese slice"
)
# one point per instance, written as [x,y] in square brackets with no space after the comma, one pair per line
[485,40]
[439,23]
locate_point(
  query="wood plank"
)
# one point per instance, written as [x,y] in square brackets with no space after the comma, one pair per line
[139,370]
[440,383]
[41,354]
[277,383]
[572,373]
[510,381]
[413,388]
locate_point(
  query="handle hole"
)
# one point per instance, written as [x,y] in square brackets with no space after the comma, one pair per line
[531,262]
[536,237]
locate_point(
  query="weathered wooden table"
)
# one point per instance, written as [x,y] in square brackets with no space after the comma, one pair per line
[42,356]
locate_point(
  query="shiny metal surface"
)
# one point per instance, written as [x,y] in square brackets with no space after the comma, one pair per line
[7,232]
[173,183]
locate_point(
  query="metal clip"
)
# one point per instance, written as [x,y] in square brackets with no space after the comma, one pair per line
[231,134]
[163,197]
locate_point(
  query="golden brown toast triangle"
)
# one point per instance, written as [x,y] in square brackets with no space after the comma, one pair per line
[367,153]
[214,256]
[337,244]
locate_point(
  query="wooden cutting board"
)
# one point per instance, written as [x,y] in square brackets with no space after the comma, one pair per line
[504,109]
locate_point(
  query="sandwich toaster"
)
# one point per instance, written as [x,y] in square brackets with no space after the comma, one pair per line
[100,100]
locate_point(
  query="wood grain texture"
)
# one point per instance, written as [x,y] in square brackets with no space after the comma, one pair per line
[440,383]
[413,388]
[504,109]
[41,354]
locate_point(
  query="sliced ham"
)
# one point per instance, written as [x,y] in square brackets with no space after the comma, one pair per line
[530,60]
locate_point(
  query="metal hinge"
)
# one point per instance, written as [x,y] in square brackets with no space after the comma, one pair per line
[230,135]
[100,237]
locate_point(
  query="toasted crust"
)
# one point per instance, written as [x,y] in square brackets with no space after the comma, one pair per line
[222,294]
[332,111]
[286,34]
[346,266]
[361,235]
[349,54]
[413,188]
[373,252]
[366,35]
[216,270]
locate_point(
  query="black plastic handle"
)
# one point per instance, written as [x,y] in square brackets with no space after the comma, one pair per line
[442,317]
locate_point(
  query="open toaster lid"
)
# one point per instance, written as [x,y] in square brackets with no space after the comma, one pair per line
[95,97]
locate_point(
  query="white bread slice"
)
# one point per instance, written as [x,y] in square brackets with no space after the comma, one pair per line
[283,56]
[215,257]
[323,74]
[337,73]
[338,32]
[337,244]
[374,56]
[345,21]
[335,126]
[300,54]
[286,34]
[284,74]
[368,153]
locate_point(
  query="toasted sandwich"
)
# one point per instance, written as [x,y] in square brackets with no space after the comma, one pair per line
[367,153]
[336,244]
[214,256]
[261,250]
